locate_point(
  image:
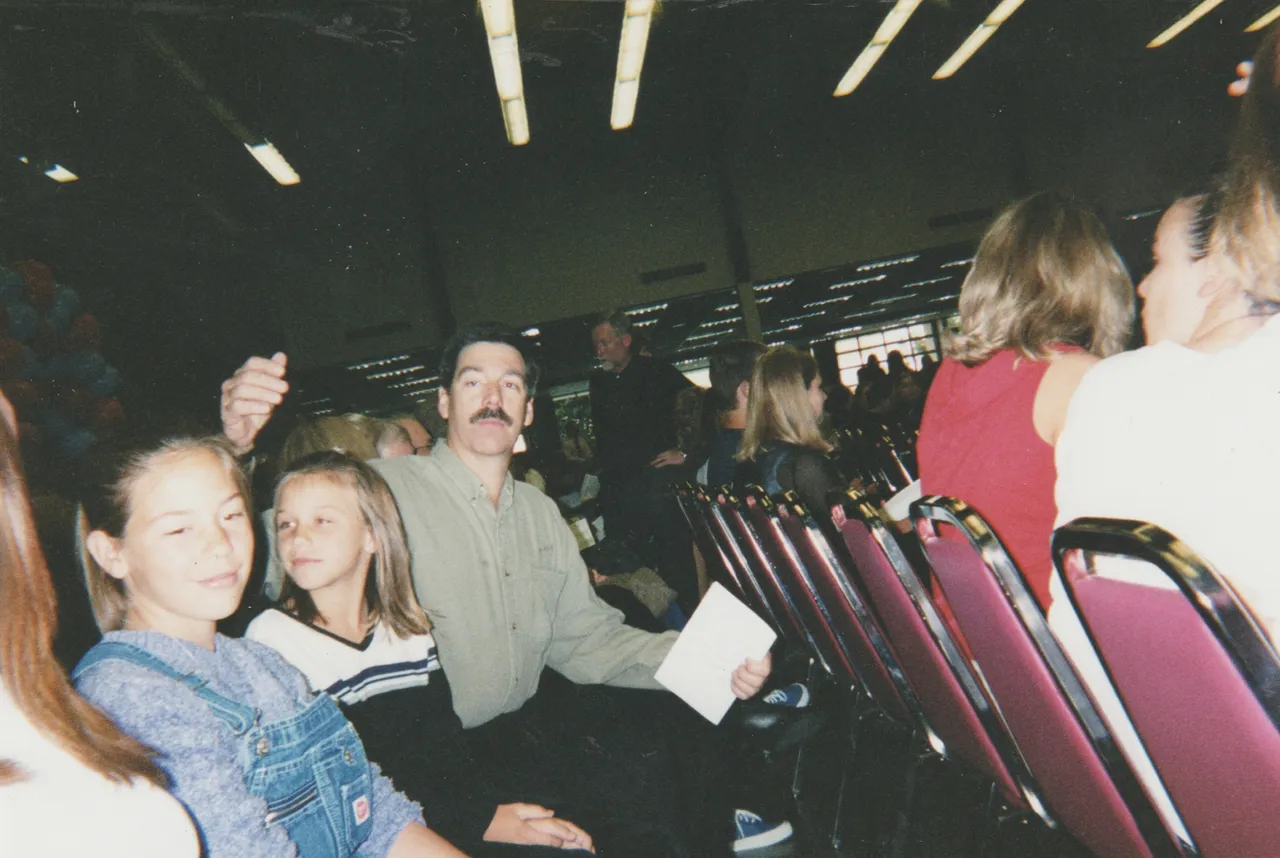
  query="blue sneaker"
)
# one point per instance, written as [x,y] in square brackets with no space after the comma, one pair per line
[795,696]
[755,833]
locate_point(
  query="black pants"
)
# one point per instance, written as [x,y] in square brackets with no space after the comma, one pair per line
[643,510]
[638,770]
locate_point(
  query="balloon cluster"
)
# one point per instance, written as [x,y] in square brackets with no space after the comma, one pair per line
[50,365]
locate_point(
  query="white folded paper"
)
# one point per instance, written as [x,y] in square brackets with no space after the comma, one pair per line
[721,634]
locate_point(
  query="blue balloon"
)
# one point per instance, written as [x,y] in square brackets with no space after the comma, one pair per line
[85,367]
[23,321]
[57,367]
[31,368]
[57,424]
[77,442]
[105,384]
[66,303]
[9,277]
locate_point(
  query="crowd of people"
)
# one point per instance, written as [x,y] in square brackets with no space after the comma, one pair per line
[427,667]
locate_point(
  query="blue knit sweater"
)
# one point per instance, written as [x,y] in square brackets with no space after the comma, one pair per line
[199,752]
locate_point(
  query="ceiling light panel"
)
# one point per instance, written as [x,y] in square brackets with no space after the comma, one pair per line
[637,17]
[888,30]
[978,38]
[60,174]
[504,54]
[1184,22]
[1269,18]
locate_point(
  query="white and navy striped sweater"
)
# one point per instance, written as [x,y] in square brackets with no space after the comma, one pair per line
[351,673]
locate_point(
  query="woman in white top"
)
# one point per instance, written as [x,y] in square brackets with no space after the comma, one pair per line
[71,783]
[1182,433]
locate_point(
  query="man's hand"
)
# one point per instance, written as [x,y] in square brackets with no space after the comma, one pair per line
[667,458]
[534,825]
[1240,86]
[250,396]
[750,677]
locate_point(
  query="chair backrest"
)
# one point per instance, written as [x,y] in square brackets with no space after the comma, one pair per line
[1089,786]
[1198,677]
[759,567]
[728,548]
[779,557]
[839,604]
[694,503]
[955,706]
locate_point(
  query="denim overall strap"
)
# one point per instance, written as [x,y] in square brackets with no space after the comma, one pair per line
[238,717]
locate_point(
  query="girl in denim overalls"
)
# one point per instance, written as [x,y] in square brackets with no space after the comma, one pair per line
[265,767]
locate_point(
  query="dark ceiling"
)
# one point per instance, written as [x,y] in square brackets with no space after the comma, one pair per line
[176,235]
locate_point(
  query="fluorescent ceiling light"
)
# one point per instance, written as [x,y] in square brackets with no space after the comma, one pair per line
[60,173]
[499,17]
[274,163]
[504,54]
[1266,19]
[885,263]
[889,28]
[625,95]
[636,20]
[1186,21]
[978,38]
[531,332]
[517,121]
[632,44]
[647,308]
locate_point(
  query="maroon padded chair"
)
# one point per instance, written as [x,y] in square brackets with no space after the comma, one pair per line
[759,568]
[1086,782]
[728,547]
[694,503]
[832,600]
[963,723]
[771,550]
[1198,677]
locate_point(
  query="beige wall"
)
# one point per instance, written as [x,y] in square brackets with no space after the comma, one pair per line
[559,229]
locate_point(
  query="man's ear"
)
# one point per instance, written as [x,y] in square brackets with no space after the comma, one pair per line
[743,393]
[106,552]
[528,414]
[442,402]
[626,341]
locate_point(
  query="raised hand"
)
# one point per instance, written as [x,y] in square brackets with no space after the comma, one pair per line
[250,396]
[1240,86]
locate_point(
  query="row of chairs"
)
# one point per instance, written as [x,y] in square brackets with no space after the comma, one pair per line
[964,662]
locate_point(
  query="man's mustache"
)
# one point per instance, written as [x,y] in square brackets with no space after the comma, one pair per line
[492,414]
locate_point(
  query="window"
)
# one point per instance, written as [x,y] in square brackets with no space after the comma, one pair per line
[700,377]
[914,341]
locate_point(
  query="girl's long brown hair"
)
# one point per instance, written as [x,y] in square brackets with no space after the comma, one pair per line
[28,621]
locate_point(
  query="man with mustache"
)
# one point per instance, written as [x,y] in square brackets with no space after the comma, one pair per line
[499,573]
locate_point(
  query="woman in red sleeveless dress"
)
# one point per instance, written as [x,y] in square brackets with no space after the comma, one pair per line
[1046,298]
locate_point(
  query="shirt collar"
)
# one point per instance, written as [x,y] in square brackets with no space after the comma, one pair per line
[464,478]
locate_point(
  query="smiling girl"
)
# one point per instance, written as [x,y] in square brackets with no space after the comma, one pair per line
[348,619]
[265,767]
